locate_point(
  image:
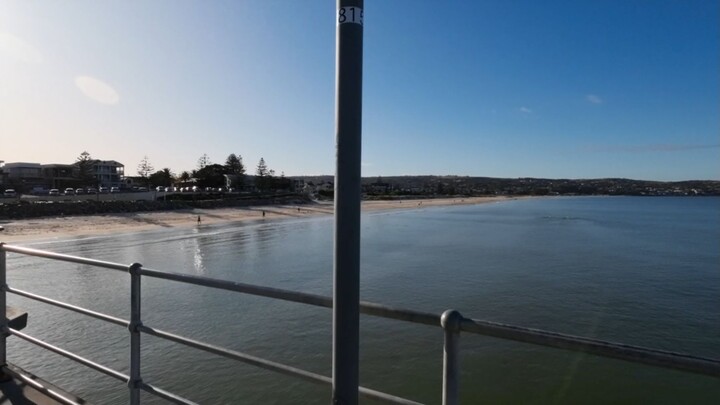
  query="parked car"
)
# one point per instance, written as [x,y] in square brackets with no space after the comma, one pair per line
[159,188]
[69,191]
[80,191]
[104,190]
[169,189]
[114,190]
[92,190]
[142,189]
[9,193]
[54,191]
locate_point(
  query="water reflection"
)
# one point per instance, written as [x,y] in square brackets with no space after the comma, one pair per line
[198,263]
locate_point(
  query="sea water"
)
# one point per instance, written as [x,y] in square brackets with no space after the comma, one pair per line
[637,270]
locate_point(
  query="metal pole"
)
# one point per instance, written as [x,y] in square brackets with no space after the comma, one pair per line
[3,307]
[346,265]
[450,322]
[135,322]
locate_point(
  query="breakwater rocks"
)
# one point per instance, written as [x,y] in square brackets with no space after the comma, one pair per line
[39,209]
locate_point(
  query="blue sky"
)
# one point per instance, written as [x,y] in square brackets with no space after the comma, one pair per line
[560,89]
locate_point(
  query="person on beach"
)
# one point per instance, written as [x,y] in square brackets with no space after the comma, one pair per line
[263,213]
[199,219]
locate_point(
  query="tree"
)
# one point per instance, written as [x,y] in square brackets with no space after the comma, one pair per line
[282,182]
[184,176]
[261,170]
[263,176]
[144,169]
[162,177]
[235,170]
[211,176]
[203,161]
[234,165]
[84,162]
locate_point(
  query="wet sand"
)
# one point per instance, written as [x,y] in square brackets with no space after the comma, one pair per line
[60,227]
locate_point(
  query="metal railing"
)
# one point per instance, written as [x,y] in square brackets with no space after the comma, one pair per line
[451,322]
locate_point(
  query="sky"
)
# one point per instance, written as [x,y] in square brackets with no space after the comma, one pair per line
[508,88]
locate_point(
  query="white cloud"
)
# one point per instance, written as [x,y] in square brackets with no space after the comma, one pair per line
[525,110]
[594,99]
[97,90]
[18,49]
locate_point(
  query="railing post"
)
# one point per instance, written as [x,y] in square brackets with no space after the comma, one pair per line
[3,308]
[450,322]
[135,322]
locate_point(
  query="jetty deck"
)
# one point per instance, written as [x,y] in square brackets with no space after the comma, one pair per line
[19,387]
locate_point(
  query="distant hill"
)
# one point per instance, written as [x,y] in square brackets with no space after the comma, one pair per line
[466,185]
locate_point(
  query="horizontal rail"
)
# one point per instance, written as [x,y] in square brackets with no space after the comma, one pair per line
[64,258]
[89,363]
[96,315]
[399,314]
[268,365]
[636,354]
[268,292]
[235,355]
[38,386]
[367,308]
[678,361]
[166,395]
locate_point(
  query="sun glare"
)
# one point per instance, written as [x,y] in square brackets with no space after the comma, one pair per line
[18,49]
[97,90]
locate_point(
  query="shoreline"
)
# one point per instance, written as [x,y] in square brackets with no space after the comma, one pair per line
[37,229]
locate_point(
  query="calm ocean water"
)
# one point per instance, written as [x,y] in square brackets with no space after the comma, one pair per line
[643,271]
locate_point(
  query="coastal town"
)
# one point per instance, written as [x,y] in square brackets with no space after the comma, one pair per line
[87,177]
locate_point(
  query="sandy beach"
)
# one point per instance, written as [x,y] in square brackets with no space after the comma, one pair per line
[59,227]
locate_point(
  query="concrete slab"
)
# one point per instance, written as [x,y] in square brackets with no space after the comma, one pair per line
[22,388]
[17,318]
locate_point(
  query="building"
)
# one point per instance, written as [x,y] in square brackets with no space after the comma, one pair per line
[59,175]
[23,175]
[35,177]
[23,170]
[108,173]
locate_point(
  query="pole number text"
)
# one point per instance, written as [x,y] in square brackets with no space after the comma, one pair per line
[350,15]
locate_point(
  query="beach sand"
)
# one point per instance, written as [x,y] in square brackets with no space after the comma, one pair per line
[59,227]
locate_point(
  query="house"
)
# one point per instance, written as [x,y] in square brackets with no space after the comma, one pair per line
[23,170]
[59,175]
[108,173]
[23,175]
[36,176]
